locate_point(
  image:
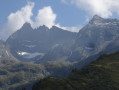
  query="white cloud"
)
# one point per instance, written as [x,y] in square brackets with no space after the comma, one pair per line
[45,16]
[17,19]
[104,8]
[71,29]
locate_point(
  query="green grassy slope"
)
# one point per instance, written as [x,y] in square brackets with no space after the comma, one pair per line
[102,74]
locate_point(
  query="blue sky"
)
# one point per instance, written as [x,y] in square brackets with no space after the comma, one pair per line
[67,14]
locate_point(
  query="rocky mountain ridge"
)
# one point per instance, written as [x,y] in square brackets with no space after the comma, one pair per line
[28,44]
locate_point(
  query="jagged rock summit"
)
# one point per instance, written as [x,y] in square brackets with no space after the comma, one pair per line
[27,44]
[99,36]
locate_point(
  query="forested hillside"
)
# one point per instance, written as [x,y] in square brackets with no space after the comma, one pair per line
[102,74]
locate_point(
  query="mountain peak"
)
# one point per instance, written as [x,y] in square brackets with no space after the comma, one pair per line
[27,26]
[55,28]
[96,19]
[43,27]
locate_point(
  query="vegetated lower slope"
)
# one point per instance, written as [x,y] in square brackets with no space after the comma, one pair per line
[102,74]
[16,75]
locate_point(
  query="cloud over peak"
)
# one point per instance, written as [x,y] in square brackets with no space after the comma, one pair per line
[103,8]
[17,19]
[45,16]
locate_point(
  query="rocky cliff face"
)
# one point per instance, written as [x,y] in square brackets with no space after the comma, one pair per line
[28,44]
[99,36]
[6,57]
[4,50]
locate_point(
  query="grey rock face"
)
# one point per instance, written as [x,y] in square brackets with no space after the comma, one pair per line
[100,36]
[6,58]
[4,51]
[28,44]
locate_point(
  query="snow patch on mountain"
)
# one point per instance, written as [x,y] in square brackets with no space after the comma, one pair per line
[30,46]
[89,48]
[29,55]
